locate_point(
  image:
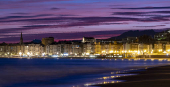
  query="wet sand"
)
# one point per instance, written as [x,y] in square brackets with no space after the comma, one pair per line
[152,77]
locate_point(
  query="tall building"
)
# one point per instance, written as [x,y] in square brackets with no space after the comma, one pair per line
[21,39]
[88,48]
[47,41]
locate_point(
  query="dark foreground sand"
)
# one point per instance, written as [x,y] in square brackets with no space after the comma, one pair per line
[152,77]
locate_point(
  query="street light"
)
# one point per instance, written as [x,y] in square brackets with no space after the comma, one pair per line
[8,54]
[111,51]
[28,53]
[20,54]
[43,54]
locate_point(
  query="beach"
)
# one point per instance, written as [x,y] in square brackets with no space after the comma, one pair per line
[152,77]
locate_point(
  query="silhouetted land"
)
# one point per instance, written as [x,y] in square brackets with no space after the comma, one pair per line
[135,33]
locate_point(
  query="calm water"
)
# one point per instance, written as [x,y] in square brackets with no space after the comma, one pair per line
[65,72]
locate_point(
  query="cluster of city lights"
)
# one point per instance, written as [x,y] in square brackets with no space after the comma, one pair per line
[106,53]
[29,54]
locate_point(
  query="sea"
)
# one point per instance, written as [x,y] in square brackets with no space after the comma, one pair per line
[68,72]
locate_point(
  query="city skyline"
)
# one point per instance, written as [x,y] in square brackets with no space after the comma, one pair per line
[73,19]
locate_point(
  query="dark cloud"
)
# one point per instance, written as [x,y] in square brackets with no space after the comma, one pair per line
[160,17]
[77,21]
[55,8]
[168,12]
[151,26]
[19,17]
[81,21]
[11,17]
[31,27]
[37,1]
[165,7]
[141,13]
[129,13]
[44,15]
[64,15]
[66,22]
[116,5]
[112,23]
[20,13]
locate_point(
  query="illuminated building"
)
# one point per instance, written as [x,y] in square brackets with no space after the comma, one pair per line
[77,49]
[159,46]
[66,49]
[167,47]
[32,49]
[97,48]
[53,49]
[108,49]
[88,48]
[130,47]
[145,48]
[2,49]
[105,48]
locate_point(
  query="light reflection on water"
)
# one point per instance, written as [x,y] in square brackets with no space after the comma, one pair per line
[68,72]
[108,79]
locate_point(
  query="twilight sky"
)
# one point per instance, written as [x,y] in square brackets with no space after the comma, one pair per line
[73,19]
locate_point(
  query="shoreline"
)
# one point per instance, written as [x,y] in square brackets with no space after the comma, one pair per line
[89,57]
[129,59]
[151,77]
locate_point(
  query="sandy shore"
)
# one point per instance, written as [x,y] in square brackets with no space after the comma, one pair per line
[152,77]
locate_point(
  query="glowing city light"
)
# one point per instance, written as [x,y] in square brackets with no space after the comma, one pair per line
[111,51]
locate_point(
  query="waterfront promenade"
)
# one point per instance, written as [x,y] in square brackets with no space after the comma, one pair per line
[152,59]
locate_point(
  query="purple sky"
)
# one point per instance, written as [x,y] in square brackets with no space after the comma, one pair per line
[73,19]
